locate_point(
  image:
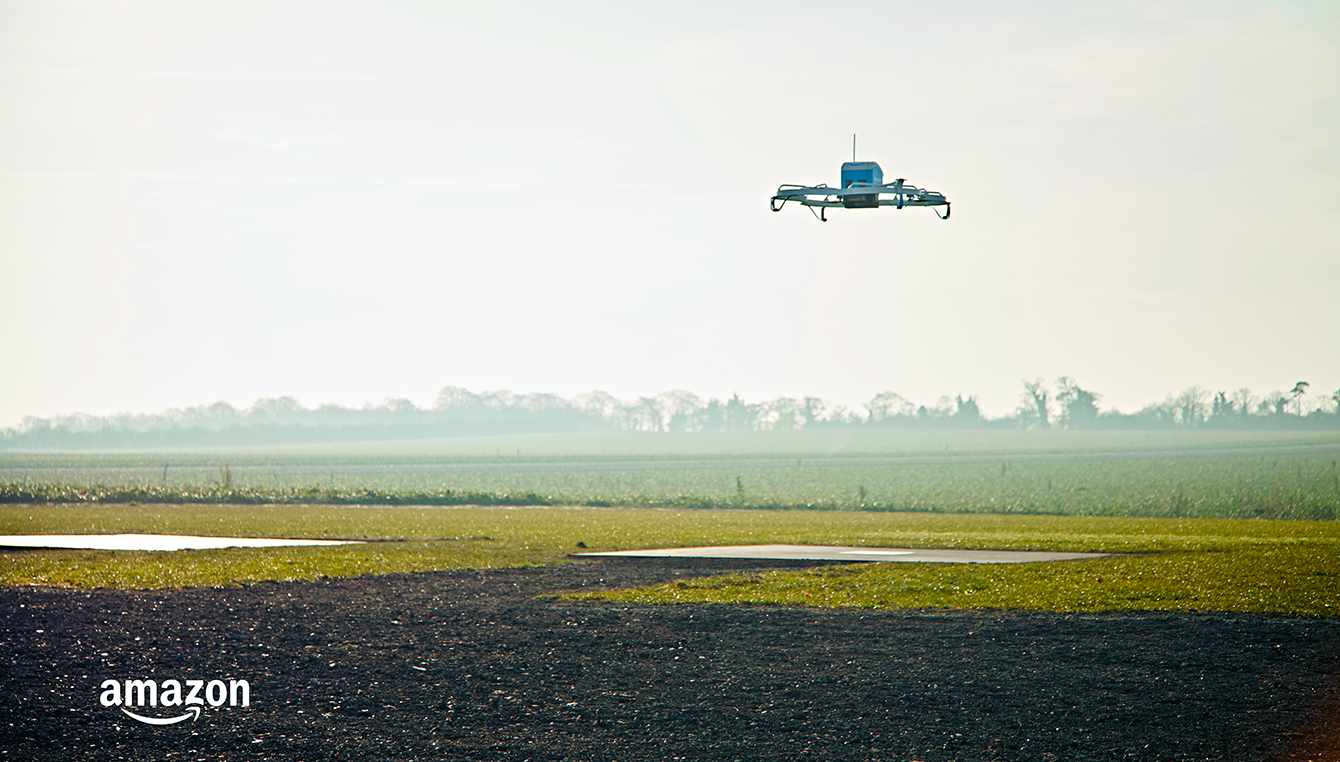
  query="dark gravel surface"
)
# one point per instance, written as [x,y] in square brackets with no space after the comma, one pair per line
[474,665]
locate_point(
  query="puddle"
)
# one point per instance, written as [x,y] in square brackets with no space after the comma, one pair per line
[846,553]
[152,542]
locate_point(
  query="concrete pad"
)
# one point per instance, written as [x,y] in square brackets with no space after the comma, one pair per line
[848,553]
[152,542]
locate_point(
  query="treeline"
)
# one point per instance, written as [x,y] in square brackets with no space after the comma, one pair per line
[459,412]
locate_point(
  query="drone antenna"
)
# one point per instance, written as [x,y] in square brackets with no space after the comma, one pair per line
[853,146]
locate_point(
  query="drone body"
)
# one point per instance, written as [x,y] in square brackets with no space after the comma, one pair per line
[862,187]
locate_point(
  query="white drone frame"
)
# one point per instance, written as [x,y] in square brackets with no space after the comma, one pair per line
[899,193]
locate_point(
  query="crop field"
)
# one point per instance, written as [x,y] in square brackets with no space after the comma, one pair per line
[1287,567]
[1210,474]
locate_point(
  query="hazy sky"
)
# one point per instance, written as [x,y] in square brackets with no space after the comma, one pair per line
[348,202]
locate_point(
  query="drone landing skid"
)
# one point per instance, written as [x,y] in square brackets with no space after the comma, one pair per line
[863,187]
[823,198]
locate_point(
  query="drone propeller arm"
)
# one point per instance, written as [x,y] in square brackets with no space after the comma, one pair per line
[825,196]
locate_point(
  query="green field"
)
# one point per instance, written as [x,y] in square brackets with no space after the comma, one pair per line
[1206,521]
[1280,578]
[1285,567]
[1222,474]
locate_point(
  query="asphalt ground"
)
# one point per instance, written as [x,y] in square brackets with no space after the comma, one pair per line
[486,665]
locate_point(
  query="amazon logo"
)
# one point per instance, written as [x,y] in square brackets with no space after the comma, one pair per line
[145,700]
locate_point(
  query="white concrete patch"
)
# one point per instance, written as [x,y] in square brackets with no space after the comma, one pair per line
[848,553]
[152,542]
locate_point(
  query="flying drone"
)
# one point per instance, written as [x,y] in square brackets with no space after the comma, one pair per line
[862,187]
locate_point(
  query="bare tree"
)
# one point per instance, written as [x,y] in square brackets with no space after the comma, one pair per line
[886,405]
[497,399]
[1272,403]
[648,414]
[1190,406]
[276,409]
[598,403]
[540,402]
[839,414]
[683,410]
[782,414]
[1036,404]
[1243,401]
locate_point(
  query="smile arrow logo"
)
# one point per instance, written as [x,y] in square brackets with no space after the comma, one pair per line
[192,713]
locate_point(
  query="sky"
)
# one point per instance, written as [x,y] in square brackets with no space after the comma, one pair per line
[352,202]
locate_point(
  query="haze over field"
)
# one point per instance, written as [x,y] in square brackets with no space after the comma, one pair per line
[353,203]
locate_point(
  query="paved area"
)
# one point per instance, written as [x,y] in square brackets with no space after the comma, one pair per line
[151,541]
[847,553]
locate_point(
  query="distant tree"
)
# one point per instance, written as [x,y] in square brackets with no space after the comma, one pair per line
[537,403]
[682,410]
[1318,404]
[839,415]
[714,416]
[886,405]
[782,414]
[966,411]
[1243,401]
[1158,415]
[1298,390]
[812,411]
[222,411]
[648,414]
[497,399]
[1079,406]
[399,406]
[1273,403]
[276,409]
[1036,404]
[599,403]
[458,411]
[1189,406]
[740,416]
[454,398]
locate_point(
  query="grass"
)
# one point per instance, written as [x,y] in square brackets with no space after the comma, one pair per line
[1292,579]
[1263,566]
[1195,511]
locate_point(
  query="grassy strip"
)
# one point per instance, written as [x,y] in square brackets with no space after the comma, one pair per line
[61,494]
[1303,504]
[1296,579]
[55,493]
[1206,564]
[52,493]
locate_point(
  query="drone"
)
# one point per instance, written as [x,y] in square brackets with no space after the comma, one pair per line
[862,187]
